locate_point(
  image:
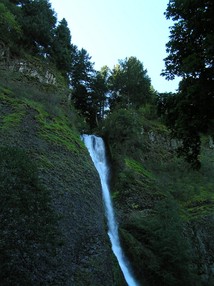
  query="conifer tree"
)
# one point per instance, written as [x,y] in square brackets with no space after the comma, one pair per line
[38,22]
[129,84]
[10,29]
[62,51]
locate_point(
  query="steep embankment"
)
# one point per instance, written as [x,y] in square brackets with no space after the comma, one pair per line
[37,119]
[165,208]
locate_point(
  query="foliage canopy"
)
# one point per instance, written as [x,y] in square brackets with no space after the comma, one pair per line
[191,56]
[129,84]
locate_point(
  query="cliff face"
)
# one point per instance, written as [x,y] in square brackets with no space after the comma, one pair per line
[37,120]
[165,209]
[201,234]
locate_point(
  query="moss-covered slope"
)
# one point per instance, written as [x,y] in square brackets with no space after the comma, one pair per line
[38,120]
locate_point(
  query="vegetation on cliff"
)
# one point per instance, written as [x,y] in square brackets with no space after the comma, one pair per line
[53,223]
[161,201]
[53,226]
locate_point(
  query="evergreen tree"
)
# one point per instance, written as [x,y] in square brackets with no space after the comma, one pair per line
[38,22]
[81,79]
[82,69]
[129,84]
[62,50]
[9,27]
[100,91]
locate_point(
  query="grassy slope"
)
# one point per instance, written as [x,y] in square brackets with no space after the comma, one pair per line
[38,119]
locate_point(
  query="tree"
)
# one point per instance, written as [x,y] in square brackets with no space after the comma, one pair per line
[122,129]
[82,69]
[129,84]
[100,91]
[191,45]
[20,2]
[180,116]
[191,56]
[90,96]
[38,22]
[9,27]
[62,51]
[81,79]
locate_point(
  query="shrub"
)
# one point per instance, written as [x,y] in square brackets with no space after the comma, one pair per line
[123,130]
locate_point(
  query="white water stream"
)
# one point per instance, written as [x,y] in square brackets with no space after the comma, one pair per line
[96,148]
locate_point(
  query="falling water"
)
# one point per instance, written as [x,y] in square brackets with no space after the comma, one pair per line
[96,148]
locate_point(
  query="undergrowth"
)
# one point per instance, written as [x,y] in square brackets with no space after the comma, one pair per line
[159,196]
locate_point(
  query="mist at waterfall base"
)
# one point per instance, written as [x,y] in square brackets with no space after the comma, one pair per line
[96,148]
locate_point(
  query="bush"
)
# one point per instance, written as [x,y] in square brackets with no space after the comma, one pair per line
[123,130]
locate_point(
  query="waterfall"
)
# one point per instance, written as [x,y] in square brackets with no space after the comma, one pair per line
[96,148]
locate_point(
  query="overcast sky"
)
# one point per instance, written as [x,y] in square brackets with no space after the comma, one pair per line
[115,29]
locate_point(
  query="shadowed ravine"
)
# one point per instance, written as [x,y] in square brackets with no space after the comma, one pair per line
[96,148]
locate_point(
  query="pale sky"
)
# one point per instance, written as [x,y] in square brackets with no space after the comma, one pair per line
[115,29]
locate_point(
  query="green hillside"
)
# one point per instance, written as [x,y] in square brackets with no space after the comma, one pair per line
[159,145]
[165,208]
[53,228]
